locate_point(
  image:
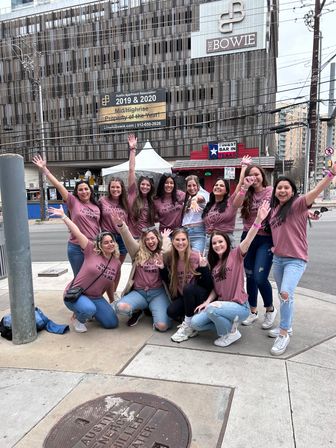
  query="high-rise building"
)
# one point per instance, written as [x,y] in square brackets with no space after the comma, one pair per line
[205,71]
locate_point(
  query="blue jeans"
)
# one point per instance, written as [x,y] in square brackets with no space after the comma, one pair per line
[287,273]
[75,257]
[197,237]
[220,318]
[86,308]
[257,264]
[155,299]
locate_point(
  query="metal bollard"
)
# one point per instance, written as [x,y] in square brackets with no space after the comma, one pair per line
[15,219]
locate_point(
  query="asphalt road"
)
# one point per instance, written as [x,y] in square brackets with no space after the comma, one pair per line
[48,243]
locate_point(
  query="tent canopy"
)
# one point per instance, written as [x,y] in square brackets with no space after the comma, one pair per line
[147,160]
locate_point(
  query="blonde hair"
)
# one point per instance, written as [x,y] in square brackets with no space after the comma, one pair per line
[144,254]
[98,244]
[173,259]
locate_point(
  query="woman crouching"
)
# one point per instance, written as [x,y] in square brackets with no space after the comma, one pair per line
[144,288]
[99,271]
[227,269]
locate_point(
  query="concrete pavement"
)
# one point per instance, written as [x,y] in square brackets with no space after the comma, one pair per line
[235,397]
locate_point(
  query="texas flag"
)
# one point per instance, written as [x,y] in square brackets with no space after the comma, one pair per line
[213,150]
[225,150]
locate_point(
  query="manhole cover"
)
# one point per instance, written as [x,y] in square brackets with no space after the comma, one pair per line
[120,421]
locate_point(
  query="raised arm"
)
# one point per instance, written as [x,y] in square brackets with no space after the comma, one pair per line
[131,243]
[239,198]
[59,213]
[42,166]
[132,143]
[263,211]
[324,183]
[245,162]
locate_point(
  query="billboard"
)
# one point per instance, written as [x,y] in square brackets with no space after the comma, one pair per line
[134,110]
[229,26]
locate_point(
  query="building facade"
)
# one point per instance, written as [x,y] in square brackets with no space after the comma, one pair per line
[78,52]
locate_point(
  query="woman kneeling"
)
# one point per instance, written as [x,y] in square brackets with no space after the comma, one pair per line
[227,269]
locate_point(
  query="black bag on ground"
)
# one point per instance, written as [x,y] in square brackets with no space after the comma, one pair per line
[73,294]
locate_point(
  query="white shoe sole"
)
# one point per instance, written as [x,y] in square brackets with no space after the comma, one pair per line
[186,338]
[270,335]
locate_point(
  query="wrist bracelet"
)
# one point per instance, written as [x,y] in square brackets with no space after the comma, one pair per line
[64,217]
[45,171]
[330,174]
[242,192]
[256,225]
[119,225]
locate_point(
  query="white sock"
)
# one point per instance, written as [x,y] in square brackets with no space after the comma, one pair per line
[187,320]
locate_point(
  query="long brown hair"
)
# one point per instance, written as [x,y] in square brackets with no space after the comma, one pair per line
[214,258]
[247,204]
[138,204]
[123,197]
[173,258]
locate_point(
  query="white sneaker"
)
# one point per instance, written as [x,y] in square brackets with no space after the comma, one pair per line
[274,333]
[183,333]
[228,339]
[269,319]
[280,345]
[251,318]
[78,326]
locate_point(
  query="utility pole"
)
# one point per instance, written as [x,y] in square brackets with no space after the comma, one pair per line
[312,20]
[330,124]
[31,65]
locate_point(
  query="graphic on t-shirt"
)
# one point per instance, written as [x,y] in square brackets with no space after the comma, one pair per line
[110,271]
[93,214]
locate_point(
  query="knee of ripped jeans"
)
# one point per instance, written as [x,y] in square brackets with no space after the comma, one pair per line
[160,326]
[284,296]
[124,308]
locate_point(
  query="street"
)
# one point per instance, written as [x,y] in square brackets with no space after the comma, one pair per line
[48,243]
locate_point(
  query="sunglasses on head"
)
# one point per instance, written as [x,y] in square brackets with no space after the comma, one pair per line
[322,210]
[148,229]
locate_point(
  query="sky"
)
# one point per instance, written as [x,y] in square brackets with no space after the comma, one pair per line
[295,49]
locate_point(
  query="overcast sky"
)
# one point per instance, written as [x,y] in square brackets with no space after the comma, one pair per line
[295,48]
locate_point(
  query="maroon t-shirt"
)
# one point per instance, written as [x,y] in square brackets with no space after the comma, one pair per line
[147,276]
[290,237]
[169,214]
[92,267]
[231,288]
[109,205]
[136,226]
[222,221]
[257,200]
[85,215]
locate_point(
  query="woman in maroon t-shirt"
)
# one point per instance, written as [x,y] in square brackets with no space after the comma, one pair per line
[140,195]
[169,202]
[100,269]
[227,269]
[288,223]
[258,260]
[83,209]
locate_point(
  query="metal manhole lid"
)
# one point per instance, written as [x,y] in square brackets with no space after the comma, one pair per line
[125,420]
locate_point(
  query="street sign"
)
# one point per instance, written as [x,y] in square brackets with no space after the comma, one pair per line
[229,173]
[329,151]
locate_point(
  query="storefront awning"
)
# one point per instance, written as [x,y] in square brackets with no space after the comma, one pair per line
[189,165]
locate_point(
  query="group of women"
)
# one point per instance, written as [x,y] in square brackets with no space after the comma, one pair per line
[171,277]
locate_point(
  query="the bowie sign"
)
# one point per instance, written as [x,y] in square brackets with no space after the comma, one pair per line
[229,26]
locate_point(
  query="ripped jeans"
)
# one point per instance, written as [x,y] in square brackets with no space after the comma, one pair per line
[257,264]
[287,273]
[220,318]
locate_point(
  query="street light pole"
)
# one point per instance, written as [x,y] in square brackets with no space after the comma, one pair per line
[31,66]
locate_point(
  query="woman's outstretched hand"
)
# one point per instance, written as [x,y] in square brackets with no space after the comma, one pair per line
[263,210]
[57,212]
[132,141]
[39,162]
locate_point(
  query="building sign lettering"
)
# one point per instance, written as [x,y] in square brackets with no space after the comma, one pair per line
[235,13]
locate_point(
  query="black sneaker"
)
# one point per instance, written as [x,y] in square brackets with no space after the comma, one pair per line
[134,319]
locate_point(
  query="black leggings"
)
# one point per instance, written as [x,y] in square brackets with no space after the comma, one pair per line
[193,295]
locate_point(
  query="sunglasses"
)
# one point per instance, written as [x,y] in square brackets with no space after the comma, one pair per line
[148,229]
[322,210]
[172,175]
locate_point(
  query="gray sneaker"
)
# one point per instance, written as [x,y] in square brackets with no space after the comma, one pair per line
[184,333]
[274,333]
[269,319]
[250,319]
[280,345]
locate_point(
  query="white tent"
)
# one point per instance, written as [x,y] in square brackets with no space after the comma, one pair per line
[147,160]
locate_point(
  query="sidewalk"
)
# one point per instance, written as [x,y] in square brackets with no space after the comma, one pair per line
[236,397]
